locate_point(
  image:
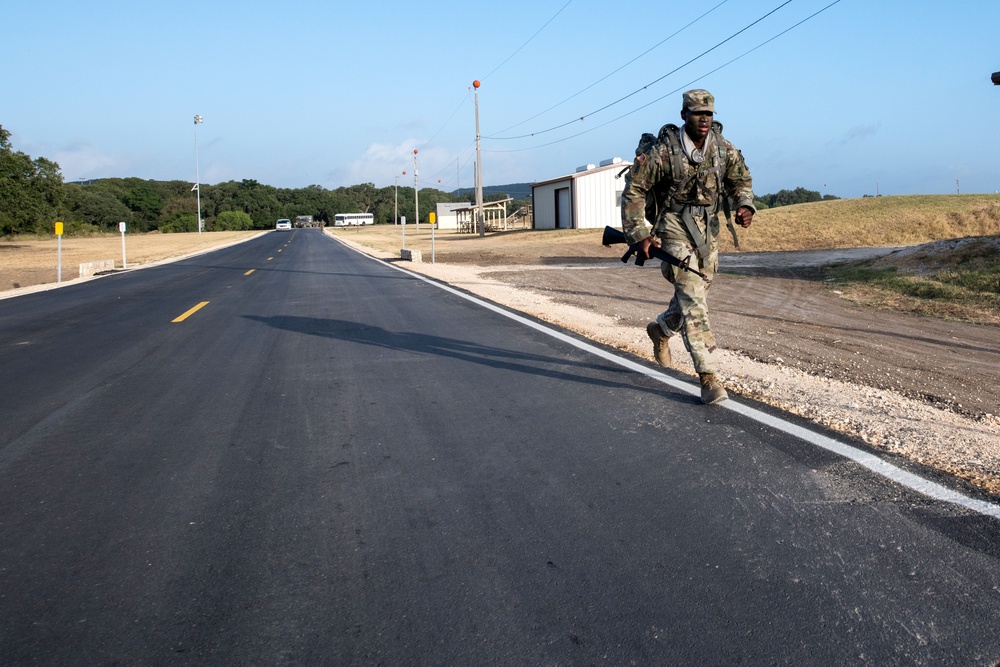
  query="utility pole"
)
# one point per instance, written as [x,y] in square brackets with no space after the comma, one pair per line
[416,196]
[479,169]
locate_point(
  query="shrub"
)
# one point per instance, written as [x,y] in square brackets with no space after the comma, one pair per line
[232,221]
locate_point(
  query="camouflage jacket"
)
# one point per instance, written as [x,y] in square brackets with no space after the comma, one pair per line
[662,168]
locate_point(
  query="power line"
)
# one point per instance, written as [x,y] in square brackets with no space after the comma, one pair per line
[466,98]
[460,105]
[636,92]
[610,74]
[529,39]
[672,92]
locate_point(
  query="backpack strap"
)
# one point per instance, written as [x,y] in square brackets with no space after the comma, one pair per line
[721,143]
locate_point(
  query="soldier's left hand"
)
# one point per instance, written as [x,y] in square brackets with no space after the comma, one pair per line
[744,216]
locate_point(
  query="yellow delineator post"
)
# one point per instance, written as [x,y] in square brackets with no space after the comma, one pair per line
[433,219]
[59,233]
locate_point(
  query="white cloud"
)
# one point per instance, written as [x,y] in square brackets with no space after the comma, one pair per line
[84,160]
[381,162]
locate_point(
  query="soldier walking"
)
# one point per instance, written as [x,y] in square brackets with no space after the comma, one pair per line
[685,175]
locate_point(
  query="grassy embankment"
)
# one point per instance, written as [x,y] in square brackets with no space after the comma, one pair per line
[961,283]
[950,280]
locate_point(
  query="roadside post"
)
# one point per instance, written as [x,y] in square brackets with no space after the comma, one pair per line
[402,220]
[59,234]
[433,220]
[121,228]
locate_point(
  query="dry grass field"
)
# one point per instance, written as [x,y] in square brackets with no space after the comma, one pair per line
[872,222]
[28,261]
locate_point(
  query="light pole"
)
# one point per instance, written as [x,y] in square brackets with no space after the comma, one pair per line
[395,199]
[479,169]
[197,175]
[416,196]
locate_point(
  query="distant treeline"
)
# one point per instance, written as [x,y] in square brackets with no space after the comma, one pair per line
[33,196]
[171,206]
[789,197]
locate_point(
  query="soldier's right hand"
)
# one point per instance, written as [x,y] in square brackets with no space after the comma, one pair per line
[646,243]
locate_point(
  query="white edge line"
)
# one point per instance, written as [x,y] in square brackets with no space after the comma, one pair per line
[866,459]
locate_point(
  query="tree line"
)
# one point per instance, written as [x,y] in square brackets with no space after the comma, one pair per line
[33,196]
[789,197]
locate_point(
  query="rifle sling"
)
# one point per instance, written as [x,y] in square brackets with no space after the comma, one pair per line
[687,213]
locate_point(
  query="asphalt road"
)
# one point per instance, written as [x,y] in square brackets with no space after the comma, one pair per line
[334,462]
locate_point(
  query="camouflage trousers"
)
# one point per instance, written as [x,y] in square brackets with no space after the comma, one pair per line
[687,313]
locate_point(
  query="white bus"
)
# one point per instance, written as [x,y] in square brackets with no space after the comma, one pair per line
[353,219]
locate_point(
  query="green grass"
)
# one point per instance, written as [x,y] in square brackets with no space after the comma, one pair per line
[966,290]
[982,282]
[953,279]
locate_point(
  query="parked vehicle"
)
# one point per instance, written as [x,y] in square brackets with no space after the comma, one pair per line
[353,219]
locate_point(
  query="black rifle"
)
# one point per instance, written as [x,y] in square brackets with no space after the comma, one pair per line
[613,236]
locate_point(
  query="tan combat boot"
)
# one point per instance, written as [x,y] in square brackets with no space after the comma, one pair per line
[712,391]
[661,350]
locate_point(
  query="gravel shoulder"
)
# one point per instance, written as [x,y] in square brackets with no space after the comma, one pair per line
[905,385]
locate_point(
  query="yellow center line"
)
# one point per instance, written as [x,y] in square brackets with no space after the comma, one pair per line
[190,312]
[270,258]
[249,272]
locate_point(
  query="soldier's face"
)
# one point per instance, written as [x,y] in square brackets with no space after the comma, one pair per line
[698,124]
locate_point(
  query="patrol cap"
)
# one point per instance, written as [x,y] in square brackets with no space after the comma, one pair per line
[699,100]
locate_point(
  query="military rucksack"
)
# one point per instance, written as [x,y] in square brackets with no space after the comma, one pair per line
[659,197]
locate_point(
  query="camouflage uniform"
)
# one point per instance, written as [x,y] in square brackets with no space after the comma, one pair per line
[693,192]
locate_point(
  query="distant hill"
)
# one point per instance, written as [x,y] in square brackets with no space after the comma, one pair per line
[515,190]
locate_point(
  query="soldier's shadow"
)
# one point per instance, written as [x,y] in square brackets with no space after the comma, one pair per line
[561,368]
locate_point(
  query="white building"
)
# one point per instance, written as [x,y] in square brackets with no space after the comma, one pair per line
[589,198]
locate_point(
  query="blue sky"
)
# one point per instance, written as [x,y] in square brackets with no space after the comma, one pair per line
[866,96]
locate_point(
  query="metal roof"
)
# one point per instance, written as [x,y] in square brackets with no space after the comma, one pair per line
[578,174]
